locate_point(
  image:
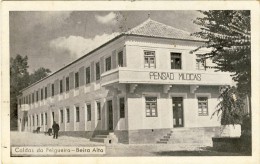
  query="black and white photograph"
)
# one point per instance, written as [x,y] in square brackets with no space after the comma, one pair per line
[131,83]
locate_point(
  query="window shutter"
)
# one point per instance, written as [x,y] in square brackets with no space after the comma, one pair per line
[113,59]
[102,65]
[92,73]
[71,80]
[81,76]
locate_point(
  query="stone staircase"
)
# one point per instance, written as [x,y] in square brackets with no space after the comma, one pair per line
[189,136]
[109,138]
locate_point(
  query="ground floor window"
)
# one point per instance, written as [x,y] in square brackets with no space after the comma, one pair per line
[122,107]
[151,106]
[37,119]
[98,111]
[33,120]
[203,106]
[41,119]
[88,112]
[61,116]
[68,114]
[45,118]
[77,114]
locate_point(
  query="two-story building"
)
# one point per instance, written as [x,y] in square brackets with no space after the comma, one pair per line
[143,85]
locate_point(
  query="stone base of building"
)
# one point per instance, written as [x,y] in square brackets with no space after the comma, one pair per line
[202,135]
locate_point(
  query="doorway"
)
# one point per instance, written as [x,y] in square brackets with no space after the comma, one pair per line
[177,110]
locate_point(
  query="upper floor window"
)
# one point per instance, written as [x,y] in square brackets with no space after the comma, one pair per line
[76,80]
[45,92]
[149,59]
[203,106]
[200,63]
[42,119]
[176,61]
[151,106]
[29,98]
[37,96]
[97,71]
[61,86]
[32,97]
[120,59]
[108,63]
[52,89]
[42,94]
[67,83]
[87,75]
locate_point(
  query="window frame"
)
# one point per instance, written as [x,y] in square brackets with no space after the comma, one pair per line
[108,65]
[97,73]
[121,52]
[45,92]
[67,115]
[77,114]
[120,109]
[201,113]
[149,58]
[76,79]
[98,105]
[172,58]
[67,83]
[46,117]
[88,74]
[200,63]
[150,102]
[52,89]
[88,112]
[61,86]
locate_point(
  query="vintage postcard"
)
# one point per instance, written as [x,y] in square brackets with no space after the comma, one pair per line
[130,80]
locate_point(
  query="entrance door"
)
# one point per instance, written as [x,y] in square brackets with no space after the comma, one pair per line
[110,115]
[177,108]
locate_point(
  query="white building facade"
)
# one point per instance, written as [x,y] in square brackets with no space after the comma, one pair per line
[141,85]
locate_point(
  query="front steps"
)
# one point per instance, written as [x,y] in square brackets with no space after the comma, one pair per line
[105,138]
[189,135]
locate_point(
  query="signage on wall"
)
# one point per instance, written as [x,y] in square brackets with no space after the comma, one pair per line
[174,76]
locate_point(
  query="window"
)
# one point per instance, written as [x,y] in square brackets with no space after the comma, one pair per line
[42,119]
[61,116]
[76,80]
[42,94]
[32,97]
[97,71]
[151,106]
[176,61]
[149,59]
[122,107]
[108,63]
[52,89]
[68,114]
[203,106]
[33,120]
[61,86]
[88,112]
[77,114]
[20,102]
[45,118]
[37,119]
[120,59]
[46,93]
[37,96]
[200,63]
[52,117]
[67,83]
[98,111]
[29,98]
[87,75]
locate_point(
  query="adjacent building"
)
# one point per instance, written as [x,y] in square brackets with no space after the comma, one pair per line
[141,85]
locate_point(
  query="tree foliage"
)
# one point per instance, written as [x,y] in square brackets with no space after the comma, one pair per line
[20,79]
[227,33]
[230,107]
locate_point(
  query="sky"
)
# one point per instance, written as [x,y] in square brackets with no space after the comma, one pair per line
[54,39]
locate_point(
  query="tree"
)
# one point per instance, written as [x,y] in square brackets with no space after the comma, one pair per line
[39,74]
[19,79]
[227,33]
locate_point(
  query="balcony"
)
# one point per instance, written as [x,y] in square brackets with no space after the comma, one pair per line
[155,76]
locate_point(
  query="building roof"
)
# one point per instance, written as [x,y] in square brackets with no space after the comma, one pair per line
[156,29]
[148,28]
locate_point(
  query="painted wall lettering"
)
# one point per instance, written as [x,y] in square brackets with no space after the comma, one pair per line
[174,76]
